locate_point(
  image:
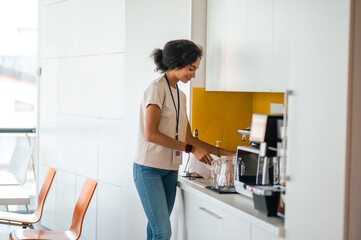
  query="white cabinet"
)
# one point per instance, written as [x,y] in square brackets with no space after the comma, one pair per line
[216,30]
[247,45]
[236,47]
[235,227]
[251,71]
[205,219]
[281,45]
[202,219]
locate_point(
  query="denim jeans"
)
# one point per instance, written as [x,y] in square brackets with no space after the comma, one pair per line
[157,189]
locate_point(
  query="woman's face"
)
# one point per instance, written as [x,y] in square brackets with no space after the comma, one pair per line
[188,72]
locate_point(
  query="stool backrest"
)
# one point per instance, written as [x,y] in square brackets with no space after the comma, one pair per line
[48,181]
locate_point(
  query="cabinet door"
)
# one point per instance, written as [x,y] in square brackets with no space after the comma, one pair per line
[235,228]
[259,46]
[202,219]
[281,45]
[239,45]
[236,52]
[216,23]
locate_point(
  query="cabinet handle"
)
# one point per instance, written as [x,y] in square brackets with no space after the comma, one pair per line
[210,212]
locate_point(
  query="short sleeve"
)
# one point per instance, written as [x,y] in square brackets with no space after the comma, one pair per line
[154,95]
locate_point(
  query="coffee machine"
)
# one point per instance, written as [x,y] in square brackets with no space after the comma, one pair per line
[265,135]
[258,165]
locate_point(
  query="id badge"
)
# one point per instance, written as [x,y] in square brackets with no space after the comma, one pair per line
[177,157]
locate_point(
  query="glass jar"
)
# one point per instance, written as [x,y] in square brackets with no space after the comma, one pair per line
[215,169]
[225,179]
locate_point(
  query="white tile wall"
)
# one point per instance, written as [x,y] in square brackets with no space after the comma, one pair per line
[61,26]
[111,151]
[78,145]
[49,86]
[67,81]
[101,26]
[48,139]
[101,86]
[81,21]
[111,90]
[109,211]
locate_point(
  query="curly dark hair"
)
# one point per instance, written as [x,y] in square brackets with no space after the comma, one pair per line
[176,54]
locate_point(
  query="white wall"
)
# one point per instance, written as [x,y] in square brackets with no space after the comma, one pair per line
[317,120]
[96,65]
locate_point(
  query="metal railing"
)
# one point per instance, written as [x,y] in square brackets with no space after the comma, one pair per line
[17,130]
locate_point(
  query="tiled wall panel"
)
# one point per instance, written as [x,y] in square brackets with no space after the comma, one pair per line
[109,211]
[77,141]
[101,26]
[61,25]
[48,139]
[49,86]
[111,151]
[100,87]
[67,77]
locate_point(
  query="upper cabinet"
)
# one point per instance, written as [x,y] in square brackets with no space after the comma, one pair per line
[215,51]
[281,43]
[247,45]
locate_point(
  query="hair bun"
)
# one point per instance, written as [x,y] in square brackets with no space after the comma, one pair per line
[158,60]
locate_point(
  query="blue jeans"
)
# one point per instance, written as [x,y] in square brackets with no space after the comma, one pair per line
[157,189]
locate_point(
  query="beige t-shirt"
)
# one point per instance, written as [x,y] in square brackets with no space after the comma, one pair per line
[151,154]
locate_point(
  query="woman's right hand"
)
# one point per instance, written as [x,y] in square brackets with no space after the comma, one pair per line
[202,155]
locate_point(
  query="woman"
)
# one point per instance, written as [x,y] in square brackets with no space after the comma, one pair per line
[164,133]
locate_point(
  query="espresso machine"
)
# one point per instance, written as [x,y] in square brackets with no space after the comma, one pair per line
[258,166]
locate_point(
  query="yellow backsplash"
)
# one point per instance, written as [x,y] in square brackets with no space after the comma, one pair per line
[218,115]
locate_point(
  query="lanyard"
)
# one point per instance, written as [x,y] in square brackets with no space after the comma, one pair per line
[176,110]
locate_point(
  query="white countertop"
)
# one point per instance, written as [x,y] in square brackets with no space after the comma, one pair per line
[13,195]
[238,204]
